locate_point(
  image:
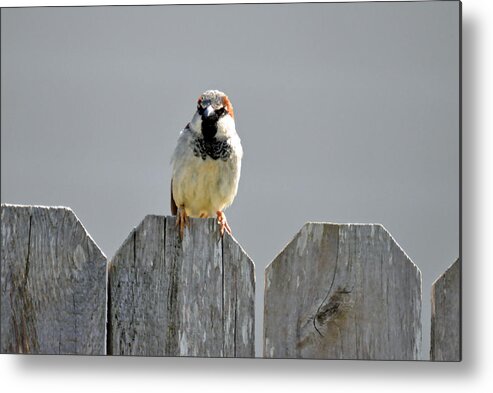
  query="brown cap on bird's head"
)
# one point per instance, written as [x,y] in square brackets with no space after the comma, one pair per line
[228,106]
[217,99]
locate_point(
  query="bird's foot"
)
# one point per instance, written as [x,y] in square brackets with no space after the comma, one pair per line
[182,221]
[223,224]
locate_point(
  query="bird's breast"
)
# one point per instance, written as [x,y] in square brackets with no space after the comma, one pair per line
[206,178]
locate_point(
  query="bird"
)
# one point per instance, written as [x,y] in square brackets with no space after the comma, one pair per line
[206,163]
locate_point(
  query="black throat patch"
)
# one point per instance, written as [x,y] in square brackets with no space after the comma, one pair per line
[209,127]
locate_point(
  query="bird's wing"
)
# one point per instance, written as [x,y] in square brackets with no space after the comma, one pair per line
[178,155]
[174,208]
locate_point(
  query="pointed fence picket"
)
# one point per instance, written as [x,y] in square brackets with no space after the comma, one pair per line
[342,291]
[445,316]
[53,295]
[174,297]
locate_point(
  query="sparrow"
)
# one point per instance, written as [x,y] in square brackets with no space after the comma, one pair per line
[206,163]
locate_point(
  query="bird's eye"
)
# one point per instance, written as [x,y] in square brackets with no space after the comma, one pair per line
[220,111]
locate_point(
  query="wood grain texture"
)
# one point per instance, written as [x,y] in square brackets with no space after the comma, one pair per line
[342,291]
[173,297]
[53,278]
[238,300]
[445,316]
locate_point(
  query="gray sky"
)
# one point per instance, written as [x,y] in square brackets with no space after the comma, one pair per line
[347,113]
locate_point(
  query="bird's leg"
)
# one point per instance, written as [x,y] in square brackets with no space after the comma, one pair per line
[182,220]
[223,224]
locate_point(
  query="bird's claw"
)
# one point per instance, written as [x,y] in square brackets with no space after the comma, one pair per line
[182,221]
[223,224]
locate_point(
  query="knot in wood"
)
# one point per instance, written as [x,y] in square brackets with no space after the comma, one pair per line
[335,307]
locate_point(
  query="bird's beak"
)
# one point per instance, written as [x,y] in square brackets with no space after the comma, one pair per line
[208,111]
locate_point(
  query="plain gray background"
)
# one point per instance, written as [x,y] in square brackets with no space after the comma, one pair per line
[347,113]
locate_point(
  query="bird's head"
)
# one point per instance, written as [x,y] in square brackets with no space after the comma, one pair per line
[214,116]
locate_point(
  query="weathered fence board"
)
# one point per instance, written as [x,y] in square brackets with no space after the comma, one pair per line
[173,297]
[53,277]
[342,291]
[445,316]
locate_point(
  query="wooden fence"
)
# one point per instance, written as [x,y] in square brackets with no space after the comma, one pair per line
[170,297]
[53,296]
[342,292]
[337,291]
[445,316]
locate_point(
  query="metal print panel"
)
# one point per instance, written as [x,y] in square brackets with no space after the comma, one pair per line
[248,180]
